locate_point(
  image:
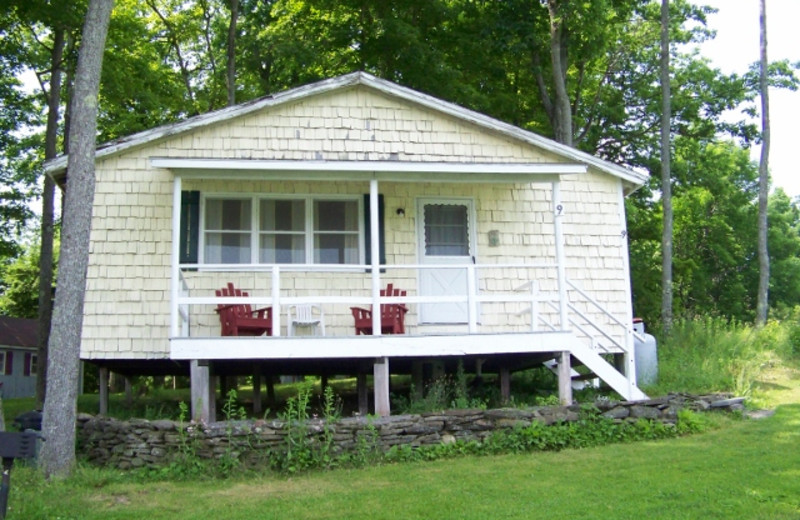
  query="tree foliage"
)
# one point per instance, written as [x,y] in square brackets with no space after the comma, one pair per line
[516,60]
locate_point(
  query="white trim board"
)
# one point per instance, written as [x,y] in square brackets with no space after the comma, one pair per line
[315,347]
[396,171]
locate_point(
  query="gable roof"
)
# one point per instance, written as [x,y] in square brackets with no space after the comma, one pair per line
[18,332]
[59,164]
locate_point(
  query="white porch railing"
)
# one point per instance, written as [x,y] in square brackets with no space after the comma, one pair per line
[494,300]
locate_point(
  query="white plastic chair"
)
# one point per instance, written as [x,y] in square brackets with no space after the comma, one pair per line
[305,315]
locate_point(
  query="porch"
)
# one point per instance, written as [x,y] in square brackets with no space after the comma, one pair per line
[502,309]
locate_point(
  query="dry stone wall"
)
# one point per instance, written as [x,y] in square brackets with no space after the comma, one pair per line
[143,443]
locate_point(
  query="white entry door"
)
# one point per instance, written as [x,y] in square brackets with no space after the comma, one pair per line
[446,231]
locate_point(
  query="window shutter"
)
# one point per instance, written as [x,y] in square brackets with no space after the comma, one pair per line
[9,362]
[27,367]
[368,231]
[190,227]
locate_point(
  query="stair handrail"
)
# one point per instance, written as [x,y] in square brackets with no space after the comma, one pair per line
[603,310]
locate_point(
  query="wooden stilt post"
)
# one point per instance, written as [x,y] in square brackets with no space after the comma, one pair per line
[363,392]
[505,385]
[128,391]
[224,386]
[212,393]
[381,383]
[103,381]
[417,379]
[271,390]
[565,378]
[256,389]
[203,392]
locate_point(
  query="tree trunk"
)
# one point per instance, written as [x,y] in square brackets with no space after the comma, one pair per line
[762,307]
[231,65]
[562,110]
[666,180]
[57,457]
[48,218]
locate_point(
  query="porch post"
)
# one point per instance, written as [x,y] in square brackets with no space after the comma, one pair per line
[276,301]
[472,303]
[381,382]
[558,215]
[565,378]
[175,281]
[202,393]
[629,358]
[103,381]
[376,262]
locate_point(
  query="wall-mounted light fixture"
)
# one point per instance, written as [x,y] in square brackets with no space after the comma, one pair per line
[401,212]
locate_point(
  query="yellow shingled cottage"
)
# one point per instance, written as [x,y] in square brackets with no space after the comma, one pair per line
[504,249]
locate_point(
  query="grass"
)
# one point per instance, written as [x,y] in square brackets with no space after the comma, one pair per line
[740,469]
[745,469]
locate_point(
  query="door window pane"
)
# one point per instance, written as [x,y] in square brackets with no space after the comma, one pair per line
[446,230]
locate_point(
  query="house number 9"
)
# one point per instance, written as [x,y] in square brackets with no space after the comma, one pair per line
[559,209]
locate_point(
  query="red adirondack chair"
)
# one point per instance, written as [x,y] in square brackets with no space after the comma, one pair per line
[240,319]
[392,315]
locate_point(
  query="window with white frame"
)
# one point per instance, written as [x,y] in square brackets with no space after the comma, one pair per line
[321,230]
[3,363]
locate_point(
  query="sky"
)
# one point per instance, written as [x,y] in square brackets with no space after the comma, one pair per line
[736,46]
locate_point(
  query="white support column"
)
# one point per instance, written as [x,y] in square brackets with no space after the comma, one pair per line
[558,215]
[375,262]
[276,301]
[472,301]
[380,379]
[565,378]
[534,306]
[175,275]
[629,357]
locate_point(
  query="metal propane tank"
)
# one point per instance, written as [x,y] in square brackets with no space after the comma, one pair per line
[645,355]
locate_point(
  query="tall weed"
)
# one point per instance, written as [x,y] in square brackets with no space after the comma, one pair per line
[714,355]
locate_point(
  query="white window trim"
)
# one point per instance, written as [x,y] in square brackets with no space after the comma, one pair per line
[255,231]
[33,369]
[3,363]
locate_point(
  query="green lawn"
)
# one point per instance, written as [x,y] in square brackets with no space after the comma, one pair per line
[746,469]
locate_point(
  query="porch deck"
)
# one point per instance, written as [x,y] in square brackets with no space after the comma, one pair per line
[368,347]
